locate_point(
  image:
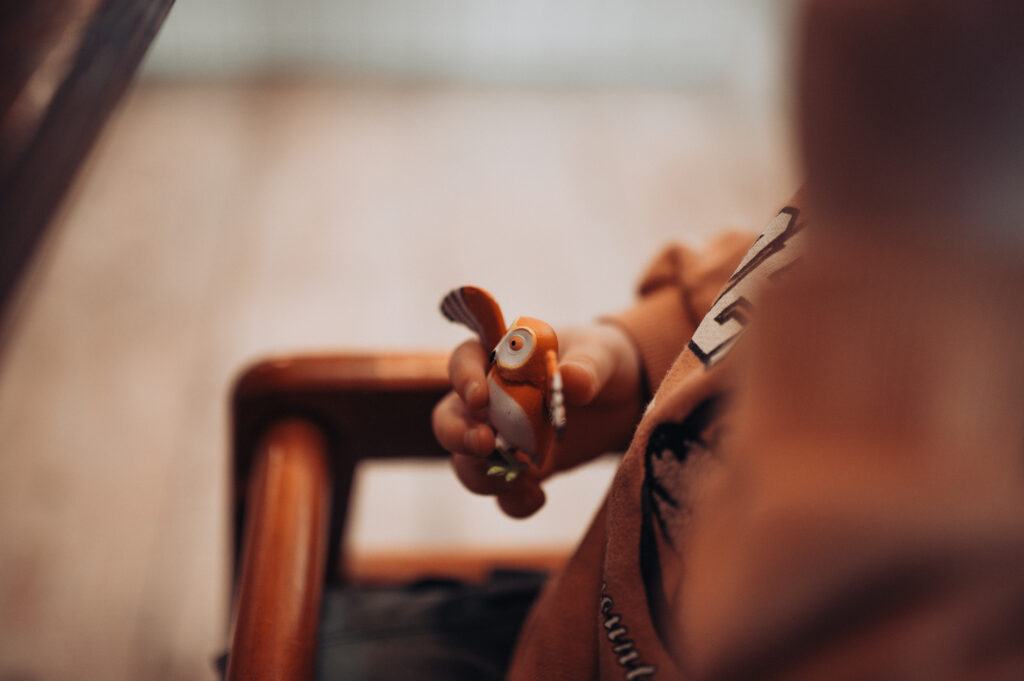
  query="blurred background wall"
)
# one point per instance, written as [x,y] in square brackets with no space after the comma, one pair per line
[681,43]
[315,175]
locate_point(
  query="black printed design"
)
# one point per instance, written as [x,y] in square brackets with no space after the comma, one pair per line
[663,509]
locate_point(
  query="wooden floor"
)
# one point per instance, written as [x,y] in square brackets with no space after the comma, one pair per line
[214,224]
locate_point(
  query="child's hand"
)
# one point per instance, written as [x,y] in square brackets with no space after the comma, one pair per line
[601,377]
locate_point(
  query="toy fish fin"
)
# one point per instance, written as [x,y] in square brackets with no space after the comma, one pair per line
[475,308]
[556,398]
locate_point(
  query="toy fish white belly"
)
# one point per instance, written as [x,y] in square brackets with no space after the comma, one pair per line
[509,418]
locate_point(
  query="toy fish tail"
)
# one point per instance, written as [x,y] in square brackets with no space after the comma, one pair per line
[476,309]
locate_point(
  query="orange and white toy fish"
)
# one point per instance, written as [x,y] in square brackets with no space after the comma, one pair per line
[525,406]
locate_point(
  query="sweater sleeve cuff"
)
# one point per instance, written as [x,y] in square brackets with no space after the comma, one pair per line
[660,327]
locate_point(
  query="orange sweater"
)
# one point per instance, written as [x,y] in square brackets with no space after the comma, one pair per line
[747,552]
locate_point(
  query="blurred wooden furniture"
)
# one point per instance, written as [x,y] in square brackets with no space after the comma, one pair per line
[300,426]
[64,65]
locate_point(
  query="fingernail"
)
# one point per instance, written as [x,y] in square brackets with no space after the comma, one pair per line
[590,386]
[473,392]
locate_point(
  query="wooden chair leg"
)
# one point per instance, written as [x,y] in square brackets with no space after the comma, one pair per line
[283,559]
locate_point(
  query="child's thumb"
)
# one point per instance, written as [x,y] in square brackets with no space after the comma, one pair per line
[585,369]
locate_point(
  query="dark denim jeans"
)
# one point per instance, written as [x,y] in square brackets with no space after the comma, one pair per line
[430,630]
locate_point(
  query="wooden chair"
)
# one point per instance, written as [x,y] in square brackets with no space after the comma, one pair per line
[300,427]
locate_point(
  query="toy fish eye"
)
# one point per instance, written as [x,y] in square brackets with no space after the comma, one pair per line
[515,349]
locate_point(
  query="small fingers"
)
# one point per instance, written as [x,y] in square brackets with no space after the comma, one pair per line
[472,473]
[519,498]
[467,370]
[458,431]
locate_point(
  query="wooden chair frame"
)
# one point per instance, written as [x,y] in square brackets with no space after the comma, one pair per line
[299,427]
